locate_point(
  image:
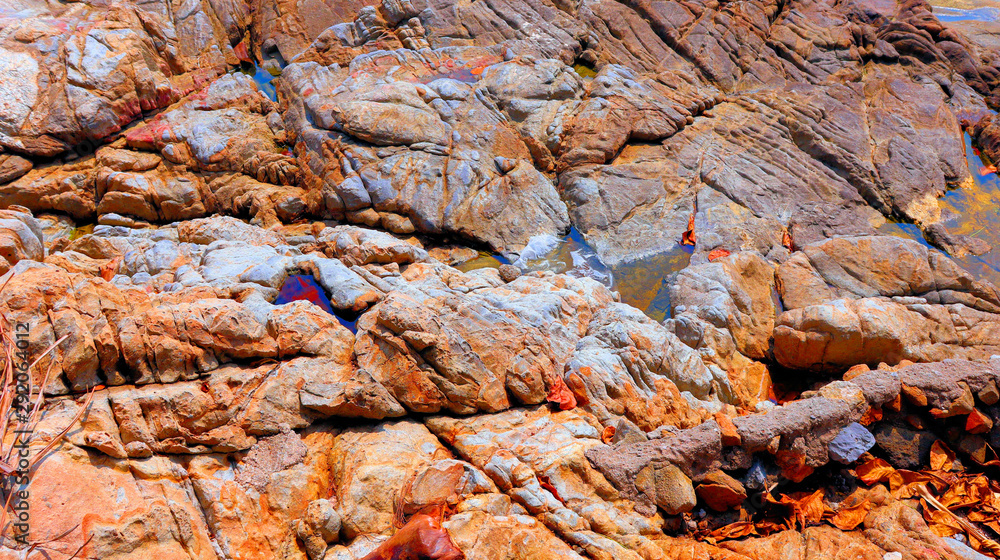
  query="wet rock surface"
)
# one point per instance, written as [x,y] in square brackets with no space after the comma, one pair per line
[488,204]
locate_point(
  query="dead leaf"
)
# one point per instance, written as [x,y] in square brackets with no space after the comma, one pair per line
[874,471]
[715,254]
[848,518]
[608,434]
[807,508]
[940,523]
[688,237]
[736,530]
[942,458]
[560,394]
[793,466]
[871,416]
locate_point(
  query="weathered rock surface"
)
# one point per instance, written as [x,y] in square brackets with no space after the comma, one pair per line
[109,64]
[154,201]
[426,148]
[881,299]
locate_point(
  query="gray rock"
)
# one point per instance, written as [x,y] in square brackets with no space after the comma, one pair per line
[904,448]
[852,442]
[672,489]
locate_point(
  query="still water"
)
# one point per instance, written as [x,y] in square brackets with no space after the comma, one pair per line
[972,209]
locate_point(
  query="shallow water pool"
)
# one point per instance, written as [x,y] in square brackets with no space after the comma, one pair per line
[972,209]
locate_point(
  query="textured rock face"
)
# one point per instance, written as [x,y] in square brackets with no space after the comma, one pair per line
[435,396]
[112,64]
[881,299]
[426,151]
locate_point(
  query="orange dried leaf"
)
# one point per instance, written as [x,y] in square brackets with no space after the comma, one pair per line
[871,416]
[848,518]
[736,530]
[793,465]
[715,254]
[942,458]
[769,526]
[941,523]
[786,240]
[874,471]
[807,507]
[982,545]
[560,394]
[608,434]
[688,238]
[241,52]
[421,537]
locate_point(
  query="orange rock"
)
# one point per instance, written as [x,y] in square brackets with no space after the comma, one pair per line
[915,395]
[895,405]
[421,537]
[978,423]
[720,491]
[856,371]
[730,436]
[578,387]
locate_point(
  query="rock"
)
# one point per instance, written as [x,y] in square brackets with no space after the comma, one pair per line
[670,488]
[730,298]
[68,189]
[378,124]
[436,356]
[481,535]
[904,448]
[899,301]
[798,433]
[115,63]
[319,527]
[13,167]
[487,413]
[720,491]
[852,442]
[221,128]
[812,543]
[989,394]
[509,273]
[360,246]
[20,238]
[870,267]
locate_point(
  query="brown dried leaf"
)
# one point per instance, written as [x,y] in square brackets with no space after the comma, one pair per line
[942,458]
[736,530]
[874,471]
[848,518]
[688,237]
